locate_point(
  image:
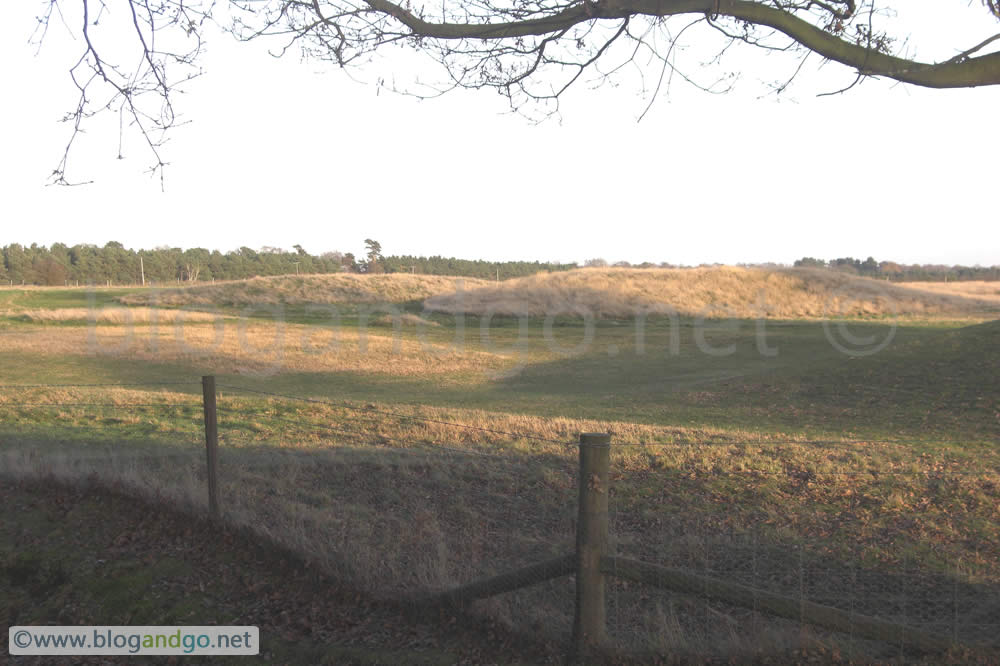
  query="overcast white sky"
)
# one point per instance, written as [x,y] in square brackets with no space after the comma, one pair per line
[282,152]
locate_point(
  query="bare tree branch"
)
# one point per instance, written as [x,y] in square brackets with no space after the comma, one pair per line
[531,51]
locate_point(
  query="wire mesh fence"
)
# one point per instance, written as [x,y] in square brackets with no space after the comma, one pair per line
[143,437]
[408,516]
[739,581]
[407,504]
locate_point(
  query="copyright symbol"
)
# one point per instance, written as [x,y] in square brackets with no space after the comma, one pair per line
[22,639]
[843,303]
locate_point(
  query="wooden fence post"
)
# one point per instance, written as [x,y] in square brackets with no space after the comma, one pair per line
[211,444]
[590,622]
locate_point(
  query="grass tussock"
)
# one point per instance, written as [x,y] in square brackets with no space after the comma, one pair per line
[110,315]
[302,290]
[712,292]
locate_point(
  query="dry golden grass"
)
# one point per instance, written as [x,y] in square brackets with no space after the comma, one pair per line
[988,292]
[713,292]
[110,315]
[110,395]
[305,289]
[247,347]
[400,522]
[380,500]
[476,430]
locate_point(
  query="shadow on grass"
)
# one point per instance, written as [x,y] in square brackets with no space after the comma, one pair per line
[926,381]
[100,555]
[400,523]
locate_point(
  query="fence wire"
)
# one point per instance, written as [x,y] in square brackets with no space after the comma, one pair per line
[189,382]
[404,516]
[878,575]
[373,410]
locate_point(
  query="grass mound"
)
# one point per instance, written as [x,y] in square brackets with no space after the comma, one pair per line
[306,289]
[714,292]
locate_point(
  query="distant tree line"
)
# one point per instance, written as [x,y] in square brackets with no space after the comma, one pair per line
[86,264]
[903,272]
[478,268]
[603,263]
[91,264]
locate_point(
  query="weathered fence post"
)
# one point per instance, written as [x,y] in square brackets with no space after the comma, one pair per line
[211,443]
[590,622]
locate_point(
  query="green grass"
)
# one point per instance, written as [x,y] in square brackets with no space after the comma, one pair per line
[79,297]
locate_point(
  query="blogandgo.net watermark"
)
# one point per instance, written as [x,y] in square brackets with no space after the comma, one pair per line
[260,341]
[125,640]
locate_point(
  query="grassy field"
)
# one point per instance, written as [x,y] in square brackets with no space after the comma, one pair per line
[436,447]
[977,289]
